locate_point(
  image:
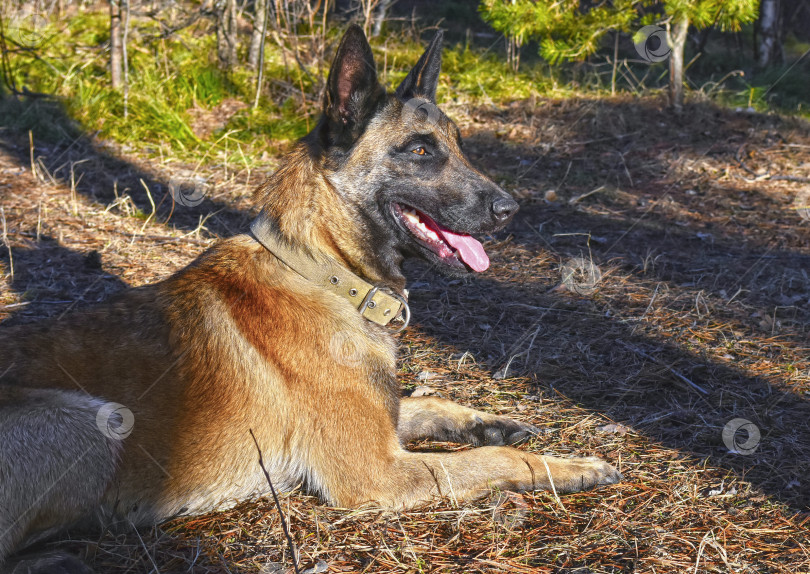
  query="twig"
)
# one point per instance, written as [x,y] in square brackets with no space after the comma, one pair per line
[615,60]
[785,73]
[551,482]
[278,505]
[8,245]
[170,30]
[647,310]
[260,74]
[126,60]
[641,353]
[74,183]
[168,239]
[449,485]
[145,549]
[152,201]
[31,154]
[582,196]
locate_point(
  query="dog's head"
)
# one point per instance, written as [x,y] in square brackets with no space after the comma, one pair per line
[398,160]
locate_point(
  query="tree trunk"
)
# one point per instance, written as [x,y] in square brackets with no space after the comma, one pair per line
[226,32]
[380,15]
[259,9]
[769,41]
[116,45]
[676,36]
[368,9]
[260,51]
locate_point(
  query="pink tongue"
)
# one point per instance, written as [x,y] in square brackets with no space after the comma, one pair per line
[469,249]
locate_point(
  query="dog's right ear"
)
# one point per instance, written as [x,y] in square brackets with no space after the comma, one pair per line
[422,80]
[352,89]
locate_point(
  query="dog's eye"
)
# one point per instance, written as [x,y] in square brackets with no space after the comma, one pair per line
[419,150]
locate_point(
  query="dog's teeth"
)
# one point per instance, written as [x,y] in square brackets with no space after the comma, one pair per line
[411,216]
[416,222]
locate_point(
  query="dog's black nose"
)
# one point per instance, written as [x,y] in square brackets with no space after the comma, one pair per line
[504,208]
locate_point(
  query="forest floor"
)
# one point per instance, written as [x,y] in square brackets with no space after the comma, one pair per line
[652,290]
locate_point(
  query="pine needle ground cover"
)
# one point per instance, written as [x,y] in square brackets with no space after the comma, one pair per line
[652,290]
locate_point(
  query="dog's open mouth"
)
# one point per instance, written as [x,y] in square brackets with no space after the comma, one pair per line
[451,247]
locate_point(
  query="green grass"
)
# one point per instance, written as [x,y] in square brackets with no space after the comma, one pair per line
[169,77]
[782,89]
[166,79]
[489,77]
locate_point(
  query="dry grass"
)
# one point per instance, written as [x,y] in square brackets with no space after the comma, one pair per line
[700,316]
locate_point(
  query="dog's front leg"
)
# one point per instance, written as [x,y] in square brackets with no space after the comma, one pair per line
[439,419]
[406,479]
[470,474]
[363,461]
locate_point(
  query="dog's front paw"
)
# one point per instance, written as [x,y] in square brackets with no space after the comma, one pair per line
[495,430]
[604,473]
[576,474]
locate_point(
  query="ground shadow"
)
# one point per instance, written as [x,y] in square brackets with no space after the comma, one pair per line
[587,350]
[728,257]
[54,280]
[40,131]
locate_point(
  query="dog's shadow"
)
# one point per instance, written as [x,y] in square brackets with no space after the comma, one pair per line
[54,280]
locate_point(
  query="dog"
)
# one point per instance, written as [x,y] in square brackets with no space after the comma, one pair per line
[145,408]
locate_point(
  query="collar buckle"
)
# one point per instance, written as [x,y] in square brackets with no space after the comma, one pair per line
[405,312]
[368,299]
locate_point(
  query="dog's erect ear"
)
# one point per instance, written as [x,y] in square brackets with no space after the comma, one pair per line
[422,80]
[352,88]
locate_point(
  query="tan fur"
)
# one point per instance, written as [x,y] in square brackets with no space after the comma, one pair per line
[237,342]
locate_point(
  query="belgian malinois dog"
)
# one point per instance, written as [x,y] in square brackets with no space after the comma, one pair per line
[142,409]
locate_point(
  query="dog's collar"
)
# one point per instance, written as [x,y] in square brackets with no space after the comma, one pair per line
[373,303]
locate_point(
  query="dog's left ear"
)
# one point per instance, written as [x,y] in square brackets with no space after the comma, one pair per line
[352,88]
[422,80]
